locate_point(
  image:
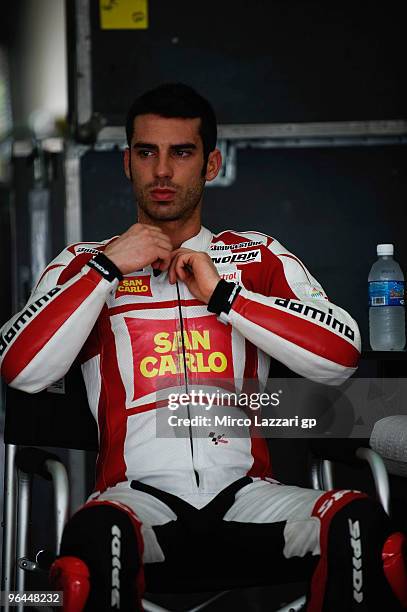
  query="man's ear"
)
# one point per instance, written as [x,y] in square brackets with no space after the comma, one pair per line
[214,165]
[126,163]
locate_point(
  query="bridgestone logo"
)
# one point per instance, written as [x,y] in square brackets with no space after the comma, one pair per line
[234,247]
[24,318]
[357,577]
[116,566]
[317,314]
[239,258]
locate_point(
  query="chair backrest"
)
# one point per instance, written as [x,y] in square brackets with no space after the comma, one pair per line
[47,418]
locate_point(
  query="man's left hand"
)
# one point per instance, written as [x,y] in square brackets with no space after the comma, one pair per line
[196,270]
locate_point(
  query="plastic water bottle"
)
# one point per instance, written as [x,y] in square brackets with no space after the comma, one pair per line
[386,302]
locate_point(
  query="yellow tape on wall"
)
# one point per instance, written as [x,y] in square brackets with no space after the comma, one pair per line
[123,14]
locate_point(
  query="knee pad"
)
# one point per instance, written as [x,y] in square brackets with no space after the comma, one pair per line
[71,576]
[394,557]
[106,537]
[350,574]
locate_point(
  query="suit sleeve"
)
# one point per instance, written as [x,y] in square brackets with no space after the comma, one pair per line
[296,323]
[39,344]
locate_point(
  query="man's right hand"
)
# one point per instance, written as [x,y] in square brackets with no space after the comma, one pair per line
[140,246]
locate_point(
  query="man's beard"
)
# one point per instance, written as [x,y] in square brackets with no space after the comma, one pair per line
[182,207]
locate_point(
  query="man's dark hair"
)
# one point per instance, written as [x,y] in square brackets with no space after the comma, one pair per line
[176,100]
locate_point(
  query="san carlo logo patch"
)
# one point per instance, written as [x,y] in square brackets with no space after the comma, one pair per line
[162,353]
[134,285]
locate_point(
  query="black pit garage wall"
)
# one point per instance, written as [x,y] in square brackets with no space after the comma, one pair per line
[259,61]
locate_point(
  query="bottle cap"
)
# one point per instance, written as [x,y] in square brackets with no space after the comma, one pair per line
[385,249]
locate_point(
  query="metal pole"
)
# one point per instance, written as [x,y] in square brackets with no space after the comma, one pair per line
[23,513]
[9,523]
[327,474]
[61,497]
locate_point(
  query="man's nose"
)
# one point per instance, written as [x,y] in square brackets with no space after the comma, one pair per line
[163,166]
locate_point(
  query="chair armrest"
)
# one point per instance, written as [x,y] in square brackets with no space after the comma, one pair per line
[350,452]
[35,461]
[31,460]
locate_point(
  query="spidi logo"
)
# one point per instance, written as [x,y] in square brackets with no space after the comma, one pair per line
[116,566]
[357,577]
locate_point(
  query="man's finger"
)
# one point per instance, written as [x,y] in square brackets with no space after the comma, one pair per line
[171,273]
[180,250]
[183,265]
[164,257]
[173,270]
[152,231]
[163,244]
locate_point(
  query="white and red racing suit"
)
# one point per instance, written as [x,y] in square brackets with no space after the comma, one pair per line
[134,334]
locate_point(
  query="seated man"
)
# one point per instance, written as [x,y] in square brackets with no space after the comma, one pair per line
[150,311]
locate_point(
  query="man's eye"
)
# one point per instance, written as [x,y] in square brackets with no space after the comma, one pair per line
[145,153]
[182,153]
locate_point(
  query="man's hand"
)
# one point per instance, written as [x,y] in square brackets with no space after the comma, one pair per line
[196,270]
[140,246]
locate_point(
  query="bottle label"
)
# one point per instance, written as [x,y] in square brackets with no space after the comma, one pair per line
[386,293]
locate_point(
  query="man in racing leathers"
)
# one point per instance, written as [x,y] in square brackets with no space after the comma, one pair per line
[151,312]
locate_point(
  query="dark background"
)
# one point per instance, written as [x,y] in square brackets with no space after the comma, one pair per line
[259,61]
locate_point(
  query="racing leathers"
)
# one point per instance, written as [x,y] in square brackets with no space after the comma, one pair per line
[136,332]
[140,338]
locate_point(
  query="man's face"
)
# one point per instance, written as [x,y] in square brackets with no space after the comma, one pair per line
[165,166]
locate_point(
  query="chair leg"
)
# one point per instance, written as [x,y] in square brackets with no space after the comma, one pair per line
[322,474]
[9,518]
[23,513]
[61,497]
[327,475]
